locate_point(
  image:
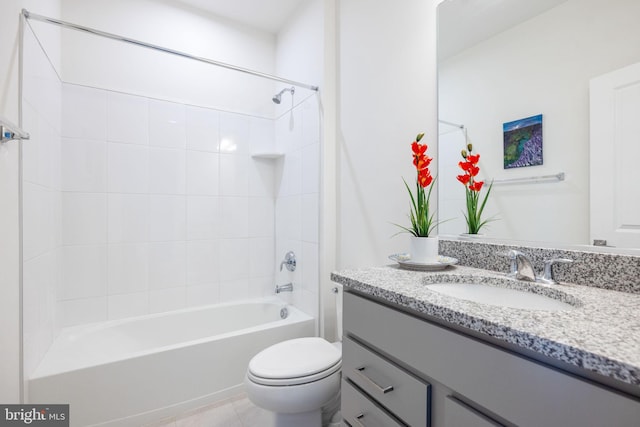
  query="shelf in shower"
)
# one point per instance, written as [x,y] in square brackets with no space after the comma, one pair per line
[267,155]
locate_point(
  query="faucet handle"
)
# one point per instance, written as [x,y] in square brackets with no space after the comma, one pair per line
[289,261]
[547,273]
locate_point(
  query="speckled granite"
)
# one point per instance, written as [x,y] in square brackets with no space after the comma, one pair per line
[600,334]
[602,270]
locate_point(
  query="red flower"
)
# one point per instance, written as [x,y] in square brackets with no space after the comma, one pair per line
[473,170]
[476,186]
[418,149]
[421,161]
[473,158]
[464,178]
[424,178]
[465,166]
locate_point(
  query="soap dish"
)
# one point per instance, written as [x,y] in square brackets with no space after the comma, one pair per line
[404,261]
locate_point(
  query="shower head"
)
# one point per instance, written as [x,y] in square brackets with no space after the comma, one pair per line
[278,97]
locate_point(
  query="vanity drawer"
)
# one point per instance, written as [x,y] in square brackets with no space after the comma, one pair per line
[457,414]
[359,411]
[401,393]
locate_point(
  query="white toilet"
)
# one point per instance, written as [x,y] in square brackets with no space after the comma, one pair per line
[298,380]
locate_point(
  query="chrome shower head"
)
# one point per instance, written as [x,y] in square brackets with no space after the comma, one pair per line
[278,97]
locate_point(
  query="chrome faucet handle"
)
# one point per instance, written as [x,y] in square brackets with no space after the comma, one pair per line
[547,273]
[521,267]
[289,261]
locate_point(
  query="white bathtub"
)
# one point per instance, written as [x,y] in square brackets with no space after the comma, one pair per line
[133,371]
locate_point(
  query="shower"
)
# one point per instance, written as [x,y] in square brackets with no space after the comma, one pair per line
[278,97]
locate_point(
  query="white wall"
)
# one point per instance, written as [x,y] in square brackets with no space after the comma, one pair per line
[9,185]
[387,95]
[104,63]
[542,66]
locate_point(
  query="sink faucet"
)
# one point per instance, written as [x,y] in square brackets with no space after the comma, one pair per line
[522,268]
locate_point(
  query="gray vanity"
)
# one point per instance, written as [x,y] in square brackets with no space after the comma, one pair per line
[415,356]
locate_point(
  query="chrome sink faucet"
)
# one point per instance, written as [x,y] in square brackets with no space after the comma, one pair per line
[522,268]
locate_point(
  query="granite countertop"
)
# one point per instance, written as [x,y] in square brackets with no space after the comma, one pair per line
[600,334]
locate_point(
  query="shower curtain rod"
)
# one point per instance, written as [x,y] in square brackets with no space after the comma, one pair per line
[41,18]
[451,124]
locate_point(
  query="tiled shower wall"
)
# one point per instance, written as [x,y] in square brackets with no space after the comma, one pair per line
[41,208]
[163,206]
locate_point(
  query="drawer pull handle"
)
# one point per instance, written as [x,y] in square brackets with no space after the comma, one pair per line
[381,389]
[357,419]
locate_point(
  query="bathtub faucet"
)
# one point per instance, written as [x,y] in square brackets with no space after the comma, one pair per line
[284,288]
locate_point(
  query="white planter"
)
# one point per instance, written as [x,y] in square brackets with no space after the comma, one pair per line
[424,250]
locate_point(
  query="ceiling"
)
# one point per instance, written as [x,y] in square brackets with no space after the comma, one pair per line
[463,23]
[267,15]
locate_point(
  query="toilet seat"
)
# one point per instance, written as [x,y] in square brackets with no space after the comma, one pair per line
[294,362]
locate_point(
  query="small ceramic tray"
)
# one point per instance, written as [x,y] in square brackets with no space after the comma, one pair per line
[404,260]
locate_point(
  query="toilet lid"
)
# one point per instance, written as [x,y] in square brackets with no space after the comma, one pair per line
[300,357]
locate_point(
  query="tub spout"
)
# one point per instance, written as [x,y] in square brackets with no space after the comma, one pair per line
[284,288]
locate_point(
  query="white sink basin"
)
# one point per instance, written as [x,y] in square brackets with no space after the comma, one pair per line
[502,297]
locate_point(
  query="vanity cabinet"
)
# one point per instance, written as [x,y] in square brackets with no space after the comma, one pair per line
[406,370]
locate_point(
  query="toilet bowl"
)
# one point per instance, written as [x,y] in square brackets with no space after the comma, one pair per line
[297,380]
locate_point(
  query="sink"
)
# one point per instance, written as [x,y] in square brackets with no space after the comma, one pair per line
[498,296]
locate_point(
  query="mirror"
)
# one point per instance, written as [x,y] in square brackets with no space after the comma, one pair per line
[505,60]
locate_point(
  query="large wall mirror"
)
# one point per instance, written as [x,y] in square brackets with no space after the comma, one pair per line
[504,60]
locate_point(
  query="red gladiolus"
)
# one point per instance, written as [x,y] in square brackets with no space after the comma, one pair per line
[473,158]
[464,179]
[465,166]
[421,162]
[476,186]
[473,170]
[418,149]
[425,178]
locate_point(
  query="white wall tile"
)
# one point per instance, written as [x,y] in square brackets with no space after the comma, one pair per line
[262,257]
[127,168]
[234,255]
[311,169]
[310,267]
[234,290]
[84,218]
[262,177]
[127,268]
[127,118]
[167,265]
[289,217]
[202,173]
[202,129]
[203,217]
[261,217]
[84,272]
[167,300]
[84,165]
[261,135]
[234,133]
[203,262]
[234,217]
[309,217]
[128,218]
[36,237]
[310,121]
[81,311]
[84,112]
[234,177]
[167,171]
[167,124]
[203,295]
[261,286]
[127,305]
[291,183]
[167,218]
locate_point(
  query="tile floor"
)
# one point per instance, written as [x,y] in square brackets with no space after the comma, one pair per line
[237,411]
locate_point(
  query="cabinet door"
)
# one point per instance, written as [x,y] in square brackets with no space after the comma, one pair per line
[457,414]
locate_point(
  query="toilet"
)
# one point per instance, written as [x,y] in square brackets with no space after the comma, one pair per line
[298,380]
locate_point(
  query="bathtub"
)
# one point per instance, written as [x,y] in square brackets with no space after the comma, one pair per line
[138,370]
